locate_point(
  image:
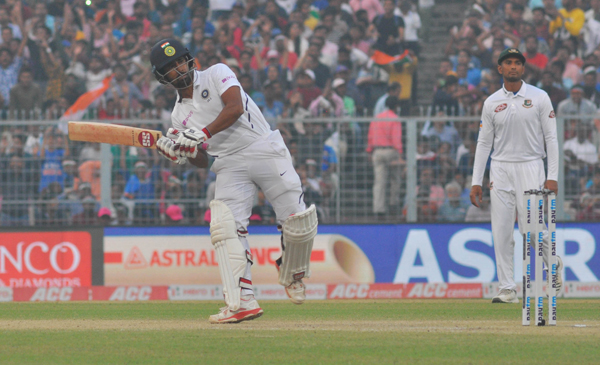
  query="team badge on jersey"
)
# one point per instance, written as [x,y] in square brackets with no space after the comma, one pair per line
[552,115]
[527,103]
[500,108]
[480,125]
[204,94]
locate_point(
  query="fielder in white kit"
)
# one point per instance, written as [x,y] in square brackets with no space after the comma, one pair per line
[214,113]
[516,121]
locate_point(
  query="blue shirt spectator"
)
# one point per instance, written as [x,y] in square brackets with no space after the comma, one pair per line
[9,74]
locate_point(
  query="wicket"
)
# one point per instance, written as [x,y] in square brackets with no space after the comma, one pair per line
[533,241]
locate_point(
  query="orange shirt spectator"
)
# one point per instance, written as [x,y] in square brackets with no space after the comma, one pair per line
[89,172]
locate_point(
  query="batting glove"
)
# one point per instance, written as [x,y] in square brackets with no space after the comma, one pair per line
[167,147]
[189,140]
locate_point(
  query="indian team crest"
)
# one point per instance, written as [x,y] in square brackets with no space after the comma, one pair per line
[168,49]
[527,103]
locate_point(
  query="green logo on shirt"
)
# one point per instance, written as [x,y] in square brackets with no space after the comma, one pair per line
[527,103]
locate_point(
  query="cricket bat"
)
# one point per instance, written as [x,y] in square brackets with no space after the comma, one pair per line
[113,134]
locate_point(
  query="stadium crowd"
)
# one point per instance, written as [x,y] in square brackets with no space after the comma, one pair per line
[298,60]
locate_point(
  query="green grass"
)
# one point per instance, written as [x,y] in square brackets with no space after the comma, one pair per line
[318,332]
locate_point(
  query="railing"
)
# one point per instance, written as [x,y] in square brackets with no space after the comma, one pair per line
[46,191]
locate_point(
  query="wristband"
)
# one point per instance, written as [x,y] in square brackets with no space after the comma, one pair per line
[207,132]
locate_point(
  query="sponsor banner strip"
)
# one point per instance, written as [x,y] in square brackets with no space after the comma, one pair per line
[572,289]
[404,291]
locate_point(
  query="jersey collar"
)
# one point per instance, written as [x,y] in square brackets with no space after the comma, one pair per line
[521,91]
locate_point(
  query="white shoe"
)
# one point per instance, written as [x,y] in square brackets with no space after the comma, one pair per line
[296,291]
[559,280]
[506,296]
[249,310]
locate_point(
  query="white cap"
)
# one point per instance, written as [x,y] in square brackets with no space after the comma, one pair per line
[337,83]
[272,54]
[310,74]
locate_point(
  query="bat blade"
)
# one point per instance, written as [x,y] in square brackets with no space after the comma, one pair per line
[113,134]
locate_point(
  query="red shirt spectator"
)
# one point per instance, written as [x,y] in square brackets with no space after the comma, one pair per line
[539,59]
[385,134]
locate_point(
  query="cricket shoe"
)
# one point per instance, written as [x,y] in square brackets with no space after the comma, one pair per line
[249,310]
[506,296]
[559,280]
[296,291]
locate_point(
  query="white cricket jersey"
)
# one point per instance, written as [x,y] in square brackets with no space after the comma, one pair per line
[206,105]
[516,127]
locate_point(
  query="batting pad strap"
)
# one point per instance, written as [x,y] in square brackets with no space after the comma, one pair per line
[299,231]
[245,284]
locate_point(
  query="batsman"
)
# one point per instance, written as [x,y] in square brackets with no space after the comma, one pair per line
[213,112]
[516,122]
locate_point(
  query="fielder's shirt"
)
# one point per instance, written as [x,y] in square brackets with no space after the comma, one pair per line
[516,125]
[206,104]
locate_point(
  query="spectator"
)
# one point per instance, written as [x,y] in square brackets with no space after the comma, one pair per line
[403,73]
[572,70]
[262,212]
[124,92]
[73,88]
[454,208]
[385,151]
[54,148]
[580,154]
[339,87]
[305,86]
[556,94]
[443,131]
[390,30]
[25,97]
[10,68]
[393,90]
[174,215]
[17,184]
[588,208]
[536,62]
[246,69]
[322,73]
[95,74]
[296,42]
[412,24]
[567,22]
[577,105]
[590,85]
[329,104]
[194,192]
[445,98]
[104,217]
[89,214]
[273,109]
[426,15]
[429,191]
[50,212]
[89,172]
[141,186]
[5,22]
[71,173]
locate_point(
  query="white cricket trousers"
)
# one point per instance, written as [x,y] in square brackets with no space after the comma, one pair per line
[266,163]
[508,181]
